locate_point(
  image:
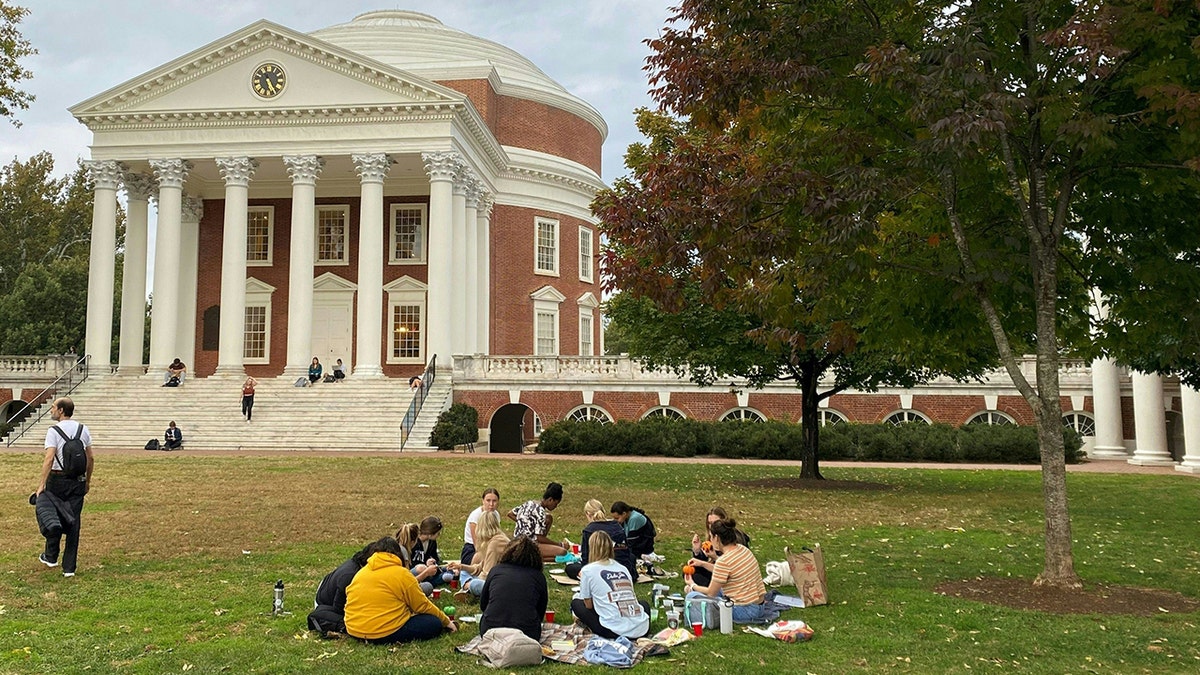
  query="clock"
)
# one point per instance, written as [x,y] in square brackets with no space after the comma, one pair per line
[268,80]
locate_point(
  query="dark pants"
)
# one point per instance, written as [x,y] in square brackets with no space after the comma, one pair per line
[468,554]
[572,570]
[418,627]
[71,492]
[591,619]
[248,406]
[174,445]
[326,619]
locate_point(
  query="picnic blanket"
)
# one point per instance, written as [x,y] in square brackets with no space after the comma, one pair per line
[559,635]
[568,581]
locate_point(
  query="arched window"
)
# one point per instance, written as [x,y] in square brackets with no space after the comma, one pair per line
[590,413]
[1081,422]
[991,417]
[832,417]
[665,411]
[906,417]
[743,415]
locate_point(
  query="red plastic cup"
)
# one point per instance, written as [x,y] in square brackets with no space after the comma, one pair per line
[697,628]
[454,583]
[437,593]
[549,616]
[575,549]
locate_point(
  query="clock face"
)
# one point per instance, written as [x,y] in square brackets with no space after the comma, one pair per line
[268,80]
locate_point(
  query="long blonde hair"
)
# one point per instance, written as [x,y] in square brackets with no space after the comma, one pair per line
[487,527]
[407,535]
[594,511]
[600,547]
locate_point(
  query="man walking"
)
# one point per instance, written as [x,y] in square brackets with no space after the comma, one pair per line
[64,482]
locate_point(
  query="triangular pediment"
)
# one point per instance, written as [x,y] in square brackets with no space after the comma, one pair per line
[587,300]
[332,282]
[215,81]
[256,286]
[405,283]
[548,294]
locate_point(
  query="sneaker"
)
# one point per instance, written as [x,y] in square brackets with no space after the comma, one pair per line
[462,595]
[68,574]
[47,563]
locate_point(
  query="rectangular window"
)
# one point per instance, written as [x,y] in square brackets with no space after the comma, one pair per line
[407,242]
[546,247]
[406,332]
[546,331]
[256,334]
[260,222]
[585,335]
[585,254]
[333,234]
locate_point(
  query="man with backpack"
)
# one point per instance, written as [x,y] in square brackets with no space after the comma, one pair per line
[66,476]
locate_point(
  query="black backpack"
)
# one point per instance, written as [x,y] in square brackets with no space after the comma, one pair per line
[172,382]
[152,444]
[74,453]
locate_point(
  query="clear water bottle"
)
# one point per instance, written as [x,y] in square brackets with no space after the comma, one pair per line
[727,616]
[277,606]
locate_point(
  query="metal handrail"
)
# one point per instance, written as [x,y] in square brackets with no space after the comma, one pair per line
[414,407]
[81,365]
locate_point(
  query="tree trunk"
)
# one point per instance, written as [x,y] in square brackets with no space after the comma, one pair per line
[810,423]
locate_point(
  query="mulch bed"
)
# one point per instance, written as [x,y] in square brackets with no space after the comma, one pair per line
[1091,599]
[814,484]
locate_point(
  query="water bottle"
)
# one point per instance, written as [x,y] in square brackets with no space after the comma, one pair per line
[727,616]
[277,607]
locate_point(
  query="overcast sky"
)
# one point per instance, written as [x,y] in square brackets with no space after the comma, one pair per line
[592,47]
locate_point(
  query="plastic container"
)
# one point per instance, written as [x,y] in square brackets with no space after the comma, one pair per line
[727,617]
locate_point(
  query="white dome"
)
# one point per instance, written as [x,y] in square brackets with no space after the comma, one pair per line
[420,44]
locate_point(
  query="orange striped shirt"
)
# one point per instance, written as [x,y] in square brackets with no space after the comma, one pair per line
[740,578]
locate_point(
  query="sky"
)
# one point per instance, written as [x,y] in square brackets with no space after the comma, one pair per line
[594,48]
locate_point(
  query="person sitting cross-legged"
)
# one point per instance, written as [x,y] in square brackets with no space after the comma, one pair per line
[384,603]
[173,437]
[605,601]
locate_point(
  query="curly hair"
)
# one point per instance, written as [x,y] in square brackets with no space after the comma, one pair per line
[522,552]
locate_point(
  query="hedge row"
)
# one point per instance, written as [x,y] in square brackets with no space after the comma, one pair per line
[1000,444]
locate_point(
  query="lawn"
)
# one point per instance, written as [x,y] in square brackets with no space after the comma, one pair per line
[180,554]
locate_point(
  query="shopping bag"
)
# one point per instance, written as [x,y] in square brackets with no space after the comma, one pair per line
[808,570]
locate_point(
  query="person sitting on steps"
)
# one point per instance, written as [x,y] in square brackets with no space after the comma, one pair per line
[173,437]
[177,371]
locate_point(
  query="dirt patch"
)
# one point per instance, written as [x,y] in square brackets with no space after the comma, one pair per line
[814,484]
[1091,599]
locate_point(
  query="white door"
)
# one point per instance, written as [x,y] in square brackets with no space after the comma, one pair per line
[332,331]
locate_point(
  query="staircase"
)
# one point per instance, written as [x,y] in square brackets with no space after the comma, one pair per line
[353,414]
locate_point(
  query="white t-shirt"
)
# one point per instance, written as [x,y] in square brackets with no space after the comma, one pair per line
[610,587]
[53,440]
[475,517]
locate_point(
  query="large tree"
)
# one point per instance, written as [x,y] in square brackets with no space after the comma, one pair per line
[13,48]
[1002,131]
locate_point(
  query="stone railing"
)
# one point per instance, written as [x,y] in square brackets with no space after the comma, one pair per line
[36,365]
[574,370]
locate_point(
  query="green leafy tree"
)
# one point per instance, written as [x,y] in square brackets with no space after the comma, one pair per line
[1034,140]
[13,48]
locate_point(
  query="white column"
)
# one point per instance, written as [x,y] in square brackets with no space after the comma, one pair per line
[171,174]
[102,266]
[304,170]
[459,262]
[1191,429]
[189,267]
[1106,402]
[1149,421]
[442,167]
[372,249]
[231,345]
[138,188]
[484,289]
[471,281]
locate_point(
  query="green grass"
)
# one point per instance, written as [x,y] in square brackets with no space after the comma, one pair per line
[164,585]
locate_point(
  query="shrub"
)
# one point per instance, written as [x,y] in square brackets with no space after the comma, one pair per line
[455,426]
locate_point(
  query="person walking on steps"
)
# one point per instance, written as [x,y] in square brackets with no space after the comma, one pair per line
[66,478]
[248,397]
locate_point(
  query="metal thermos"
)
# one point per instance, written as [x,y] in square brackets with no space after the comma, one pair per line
[727,616]
[277,607]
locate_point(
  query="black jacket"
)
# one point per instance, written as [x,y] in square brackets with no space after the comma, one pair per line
[514,597]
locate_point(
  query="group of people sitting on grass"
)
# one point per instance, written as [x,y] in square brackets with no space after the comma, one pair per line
[382,593]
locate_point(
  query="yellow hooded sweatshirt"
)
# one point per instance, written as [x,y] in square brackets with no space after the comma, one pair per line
[382,598]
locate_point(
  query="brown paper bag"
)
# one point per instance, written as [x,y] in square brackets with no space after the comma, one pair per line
[808,570]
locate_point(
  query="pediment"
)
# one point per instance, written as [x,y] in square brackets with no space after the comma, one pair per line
[405,283]
[587,300]
[548,294]
[215,82]
[332,282]
[257,286]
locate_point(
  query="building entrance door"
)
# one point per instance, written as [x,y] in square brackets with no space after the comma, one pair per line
[332,330]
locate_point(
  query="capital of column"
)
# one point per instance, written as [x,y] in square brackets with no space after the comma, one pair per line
[193,210]
[486,201]
[138,186]
[475,191]
[442,166]
[171,172]
[104,173]
[236,170]
[372,168]
[304,169]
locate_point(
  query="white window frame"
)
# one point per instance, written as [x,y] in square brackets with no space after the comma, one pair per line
[586,257]
[829,416]
[546,301]
[909,416]
[258,294]
[590,413]
[665,411]
[422,234]
[587,342]
[406,291]
[345,209]
[1072,419]
[538,338]
[270,211]
[538,222]
[743,415]
[991,418]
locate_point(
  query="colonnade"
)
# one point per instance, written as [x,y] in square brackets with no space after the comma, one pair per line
[457,250]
